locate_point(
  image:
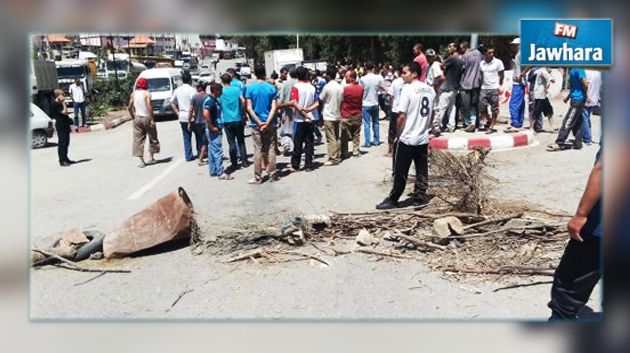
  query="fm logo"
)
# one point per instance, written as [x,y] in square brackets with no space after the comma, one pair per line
[565,30]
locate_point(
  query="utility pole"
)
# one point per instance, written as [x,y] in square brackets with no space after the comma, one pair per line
[297,40]
[474,38]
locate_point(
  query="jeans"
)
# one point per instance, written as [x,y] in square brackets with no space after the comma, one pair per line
[574,279]
[235,134]
[517,105]
[470,103]
[215,153]
[187,135]
[79,106]
[572,123]
[587,137]
[370,116]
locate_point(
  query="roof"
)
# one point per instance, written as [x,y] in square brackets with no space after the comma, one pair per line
[141,39]
[159,72]
[57,38]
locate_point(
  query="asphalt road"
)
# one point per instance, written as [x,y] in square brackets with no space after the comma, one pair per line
[107,187]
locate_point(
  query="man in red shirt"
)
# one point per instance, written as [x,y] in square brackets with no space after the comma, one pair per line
[421,59]
[351,114]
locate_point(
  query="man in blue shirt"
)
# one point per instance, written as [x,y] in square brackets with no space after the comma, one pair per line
[579,269]
[212,115]
[573,118]
[261,105]
[232,108]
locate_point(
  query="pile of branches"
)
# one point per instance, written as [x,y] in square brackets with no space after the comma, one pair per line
[458,233]
[461,180]
[521,243]
[524,243]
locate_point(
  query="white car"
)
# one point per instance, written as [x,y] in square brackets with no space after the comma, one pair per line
[41,127]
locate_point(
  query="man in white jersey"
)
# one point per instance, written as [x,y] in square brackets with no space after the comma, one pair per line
[412,137]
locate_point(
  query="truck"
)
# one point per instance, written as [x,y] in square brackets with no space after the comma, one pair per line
[67,71]
[120,65]
[43,83]
[277,59]
[320,64]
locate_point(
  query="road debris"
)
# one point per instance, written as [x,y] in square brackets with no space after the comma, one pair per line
[166,220]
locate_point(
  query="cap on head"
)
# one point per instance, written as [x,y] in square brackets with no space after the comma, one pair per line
[141,83]
[516,40]
[430,52]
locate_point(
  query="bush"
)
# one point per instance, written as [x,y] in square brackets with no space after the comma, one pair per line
[108,95]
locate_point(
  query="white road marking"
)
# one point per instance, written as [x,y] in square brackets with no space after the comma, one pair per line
[136,195]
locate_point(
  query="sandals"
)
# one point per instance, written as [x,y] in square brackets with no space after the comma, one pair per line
[511,129]
[554,147]
[491,131]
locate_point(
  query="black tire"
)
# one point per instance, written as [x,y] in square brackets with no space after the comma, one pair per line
[40,139]
[95,245]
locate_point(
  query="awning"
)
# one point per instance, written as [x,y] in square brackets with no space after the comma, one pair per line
[57,38]
[141,39]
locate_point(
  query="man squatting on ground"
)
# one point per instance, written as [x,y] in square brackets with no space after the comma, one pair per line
[412,138]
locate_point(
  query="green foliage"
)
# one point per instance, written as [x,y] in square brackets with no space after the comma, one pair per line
[109,94]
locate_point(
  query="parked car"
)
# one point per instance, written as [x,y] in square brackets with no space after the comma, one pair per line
[41,127]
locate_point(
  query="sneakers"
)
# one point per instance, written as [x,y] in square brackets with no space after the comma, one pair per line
[387,204]
[356,154]
[330,163]
[225,176]
[419,200]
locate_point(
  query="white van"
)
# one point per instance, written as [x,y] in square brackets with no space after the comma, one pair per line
[161,83]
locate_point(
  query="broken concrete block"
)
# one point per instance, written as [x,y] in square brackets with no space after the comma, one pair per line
[440,228]
[317,219]
[74,236]
[365,238]
[169,218]
[444,227]
[455,225]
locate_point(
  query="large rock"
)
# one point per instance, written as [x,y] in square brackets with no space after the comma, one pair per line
[444,227]
[167,219]
[365,238]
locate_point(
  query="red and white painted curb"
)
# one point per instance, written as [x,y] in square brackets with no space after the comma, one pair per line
[104,126]
[495,142]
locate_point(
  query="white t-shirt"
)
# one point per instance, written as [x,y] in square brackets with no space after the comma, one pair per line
[416,101]
[371,85]
[490,73]
[304,93]
[395,89]
[331,96]
[540,85]
[435,71]
[182,97]
[594,79]
[78,95]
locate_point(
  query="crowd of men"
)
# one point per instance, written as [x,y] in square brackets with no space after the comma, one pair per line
[286,112]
